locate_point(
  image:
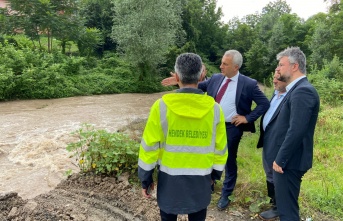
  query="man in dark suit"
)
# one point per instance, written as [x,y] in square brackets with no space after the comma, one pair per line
[278,96]
[236,103]
[289,146]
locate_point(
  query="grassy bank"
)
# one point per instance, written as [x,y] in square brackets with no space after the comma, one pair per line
[322,187]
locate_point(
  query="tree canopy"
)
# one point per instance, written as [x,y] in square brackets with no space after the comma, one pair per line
[151,33]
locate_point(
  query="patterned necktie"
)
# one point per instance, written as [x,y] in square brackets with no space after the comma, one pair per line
[222,91]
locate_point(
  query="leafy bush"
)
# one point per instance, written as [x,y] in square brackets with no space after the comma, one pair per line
[33,74]
[151,85]
[89,40]
[6,82]
[104,153]
[72,65]
[111,60]
[327,82]
[21,41]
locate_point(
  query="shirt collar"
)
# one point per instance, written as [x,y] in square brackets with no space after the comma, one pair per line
[289,87]
[189,90]
[234,78]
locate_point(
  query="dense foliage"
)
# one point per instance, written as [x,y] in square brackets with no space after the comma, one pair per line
[104,153]
[146,38]
[27,74]
[144,30]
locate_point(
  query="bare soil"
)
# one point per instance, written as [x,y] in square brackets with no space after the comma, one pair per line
[88,197]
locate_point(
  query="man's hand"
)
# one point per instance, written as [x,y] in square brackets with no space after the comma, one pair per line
[277,168]
[238,120]
[147,192]
[169,81]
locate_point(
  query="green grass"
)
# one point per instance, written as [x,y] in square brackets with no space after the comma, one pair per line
[321,194]
[71,47]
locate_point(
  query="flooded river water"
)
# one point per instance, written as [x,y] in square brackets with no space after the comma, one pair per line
[34,135]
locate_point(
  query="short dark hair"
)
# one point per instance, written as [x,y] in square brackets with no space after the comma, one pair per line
[188,66]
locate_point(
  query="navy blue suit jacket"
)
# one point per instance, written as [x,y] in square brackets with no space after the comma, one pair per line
[247,92]
[288,137]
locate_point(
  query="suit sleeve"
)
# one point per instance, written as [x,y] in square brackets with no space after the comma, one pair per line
[304,107]
[203,85]
[262,104]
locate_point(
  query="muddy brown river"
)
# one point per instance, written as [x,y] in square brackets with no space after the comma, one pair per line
[34,135]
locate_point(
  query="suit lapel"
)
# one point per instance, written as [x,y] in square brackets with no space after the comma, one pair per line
[240,85]
[220,80]
[285,99]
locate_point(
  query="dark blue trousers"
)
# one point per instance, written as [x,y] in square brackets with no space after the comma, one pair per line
[197,216]
[234,135]
[287,189]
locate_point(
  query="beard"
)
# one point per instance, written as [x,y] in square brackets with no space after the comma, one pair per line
[283,78]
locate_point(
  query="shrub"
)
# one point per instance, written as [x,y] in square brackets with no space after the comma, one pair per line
[72,65]
[104,153]
[6,82]
[328,82]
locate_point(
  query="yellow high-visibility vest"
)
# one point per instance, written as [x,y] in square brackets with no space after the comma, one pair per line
[185,134]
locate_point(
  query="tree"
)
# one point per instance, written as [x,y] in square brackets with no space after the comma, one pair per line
[32,18]
[99,14]
[320,46]
[144,31]
[327,39]
[270,15]
[68,24]
[335,22]
[6,22]
[286,32]
[204,30]
[258,62]
[47,17]
[89,41]
[241,37]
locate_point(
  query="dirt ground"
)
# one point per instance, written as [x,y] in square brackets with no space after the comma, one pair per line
[96,198]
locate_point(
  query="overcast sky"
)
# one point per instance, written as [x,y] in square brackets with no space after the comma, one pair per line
[240,8]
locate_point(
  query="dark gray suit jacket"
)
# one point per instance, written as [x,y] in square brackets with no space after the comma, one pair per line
[288,138]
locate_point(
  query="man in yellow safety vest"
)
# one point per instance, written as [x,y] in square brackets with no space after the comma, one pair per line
[185,137]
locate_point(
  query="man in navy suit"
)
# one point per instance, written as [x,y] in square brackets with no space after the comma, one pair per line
[278,96]
[236,102]
[289,146]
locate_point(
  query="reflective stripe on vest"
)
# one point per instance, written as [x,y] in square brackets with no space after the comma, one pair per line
[145,166]
[149,148]
[184,150]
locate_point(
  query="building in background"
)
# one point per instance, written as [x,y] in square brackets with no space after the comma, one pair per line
[3,3]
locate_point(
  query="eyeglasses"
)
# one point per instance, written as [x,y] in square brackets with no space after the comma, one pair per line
[282,65]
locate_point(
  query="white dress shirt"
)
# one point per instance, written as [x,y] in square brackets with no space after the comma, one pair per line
[274,103]
[228,102]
